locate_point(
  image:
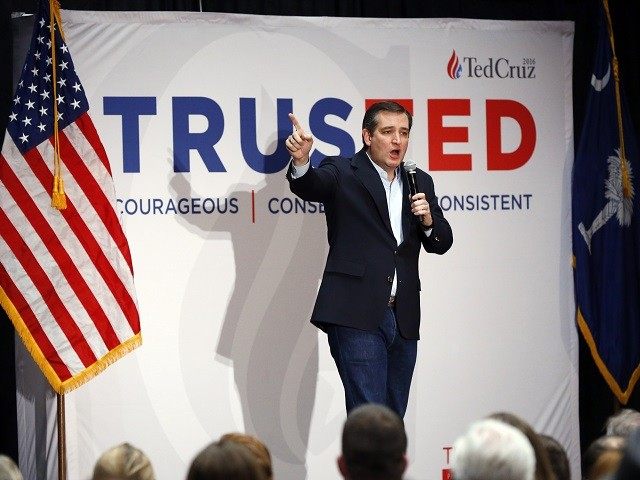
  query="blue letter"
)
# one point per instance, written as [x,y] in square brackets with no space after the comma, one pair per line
[327,133]
[249,141]
[130,108]
[203,142]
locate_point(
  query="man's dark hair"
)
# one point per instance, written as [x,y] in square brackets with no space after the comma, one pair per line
[374,443]
[225,460]
[557,457]
[602,456]
[629,467]
[370,120]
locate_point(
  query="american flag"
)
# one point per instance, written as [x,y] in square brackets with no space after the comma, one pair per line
[66,276]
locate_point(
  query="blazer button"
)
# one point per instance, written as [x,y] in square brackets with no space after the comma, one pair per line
[390,279]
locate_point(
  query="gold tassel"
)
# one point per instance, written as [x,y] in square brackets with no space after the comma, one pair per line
[58,197]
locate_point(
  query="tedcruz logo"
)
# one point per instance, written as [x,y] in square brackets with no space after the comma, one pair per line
[454,69]
[491,67]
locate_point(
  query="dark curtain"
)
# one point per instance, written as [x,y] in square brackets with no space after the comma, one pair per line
[596,401]
[9,431]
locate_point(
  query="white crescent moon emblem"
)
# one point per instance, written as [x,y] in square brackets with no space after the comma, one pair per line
[597,83]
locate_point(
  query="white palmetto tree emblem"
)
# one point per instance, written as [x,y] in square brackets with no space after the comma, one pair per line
[619,193]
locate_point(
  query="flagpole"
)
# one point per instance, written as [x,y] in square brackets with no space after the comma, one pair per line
[626,182]
[62,449]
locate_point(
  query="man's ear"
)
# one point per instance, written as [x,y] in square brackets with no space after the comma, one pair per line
[366,137]
[342,466]
[405,461]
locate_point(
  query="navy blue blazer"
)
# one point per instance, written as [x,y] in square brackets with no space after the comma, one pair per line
[363,253]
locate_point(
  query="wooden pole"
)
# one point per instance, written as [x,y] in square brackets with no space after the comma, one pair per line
[62,449]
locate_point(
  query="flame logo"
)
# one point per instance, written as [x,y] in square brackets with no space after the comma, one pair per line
[454,69]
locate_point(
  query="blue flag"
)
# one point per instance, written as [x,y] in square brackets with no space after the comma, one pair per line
[606,229]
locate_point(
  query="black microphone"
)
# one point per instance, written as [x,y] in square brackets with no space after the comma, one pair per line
[410,168]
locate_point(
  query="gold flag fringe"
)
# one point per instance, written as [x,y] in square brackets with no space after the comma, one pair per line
[32,347]
[622,395]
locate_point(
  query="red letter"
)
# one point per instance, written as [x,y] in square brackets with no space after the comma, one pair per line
[438,134]
[496,158]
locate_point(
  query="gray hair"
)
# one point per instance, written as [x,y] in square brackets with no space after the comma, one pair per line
[8,469]
[493,450]
[623,423]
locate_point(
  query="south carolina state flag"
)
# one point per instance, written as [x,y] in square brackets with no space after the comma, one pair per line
[606,229]
[66,278]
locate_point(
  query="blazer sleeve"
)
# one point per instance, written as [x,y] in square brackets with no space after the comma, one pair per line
[317,184]
[441,237]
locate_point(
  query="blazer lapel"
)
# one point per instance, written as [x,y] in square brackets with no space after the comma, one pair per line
[370,179]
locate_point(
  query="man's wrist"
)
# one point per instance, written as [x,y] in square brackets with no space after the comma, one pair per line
[299,170]
[300,162]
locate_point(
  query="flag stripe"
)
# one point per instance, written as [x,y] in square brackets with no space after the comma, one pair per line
[61,258]
[85,148]
[119,283]
[44,316]
[34,327]
[49,295]
[92,189]
[42,251]
[88,129]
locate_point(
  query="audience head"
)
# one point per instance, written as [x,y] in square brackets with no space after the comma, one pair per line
[493,450]
[256,447]
[123,462]
[623,423]
[8,469]
[629,467]
[557,457]
[543,466]
[602,457]
[374,444]
[225,460]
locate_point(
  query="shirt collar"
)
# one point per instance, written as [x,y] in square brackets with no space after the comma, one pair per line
[381,172]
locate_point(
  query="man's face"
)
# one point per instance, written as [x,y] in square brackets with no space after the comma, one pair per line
[388,143]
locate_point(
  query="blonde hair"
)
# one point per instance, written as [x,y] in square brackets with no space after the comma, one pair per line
[8,469]
[258,449]
[123,462]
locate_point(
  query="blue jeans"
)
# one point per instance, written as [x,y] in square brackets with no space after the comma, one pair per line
[375,367]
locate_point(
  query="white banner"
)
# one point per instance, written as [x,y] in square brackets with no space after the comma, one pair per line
[192,109]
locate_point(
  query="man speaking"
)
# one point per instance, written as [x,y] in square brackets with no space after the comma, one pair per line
[369,298]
